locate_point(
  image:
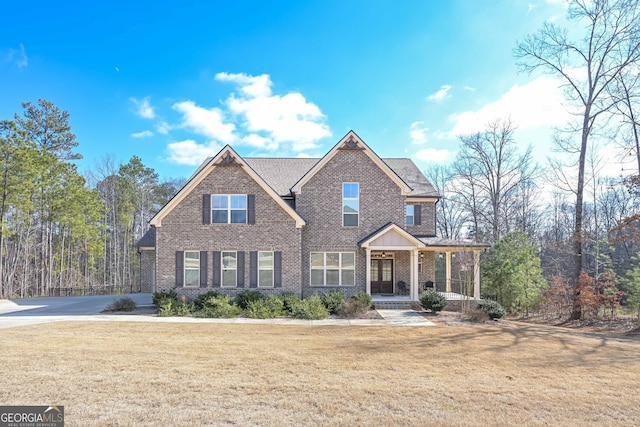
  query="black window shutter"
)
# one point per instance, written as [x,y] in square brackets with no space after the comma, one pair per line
[206,208]
[240,267]
[251,208]
[277,269]
[217,269]
[253,269]
[417,215]
[203,269]
[179,269]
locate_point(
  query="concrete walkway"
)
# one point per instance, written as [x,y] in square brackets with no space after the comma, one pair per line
[33,311]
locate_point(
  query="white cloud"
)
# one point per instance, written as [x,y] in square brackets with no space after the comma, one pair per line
[18,56]
[469,89]
[207,122]
[143,108]
[434,155]
[440,94]
[189,152]
[279,119]
[537,103]
[163,128]
[143,134]
[418,133]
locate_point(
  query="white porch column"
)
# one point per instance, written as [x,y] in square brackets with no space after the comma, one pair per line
[448,276]
[368,270]
[476,274]
[415,278]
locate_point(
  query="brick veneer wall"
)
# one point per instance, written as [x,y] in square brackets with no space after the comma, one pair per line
[182,229]
[147,261]
[428,222]
[320,204]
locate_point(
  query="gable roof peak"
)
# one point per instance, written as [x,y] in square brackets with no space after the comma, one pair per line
[351,141]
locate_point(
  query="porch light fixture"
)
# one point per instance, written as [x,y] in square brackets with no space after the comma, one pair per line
[383,255]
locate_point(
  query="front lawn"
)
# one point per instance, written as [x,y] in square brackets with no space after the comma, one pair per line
[132,374]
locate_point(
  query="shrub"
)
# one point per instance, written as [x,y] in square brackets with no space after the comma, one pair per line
[122,304]
[160,295]
[432,300]
[311,308]
[364,298]
[172,307]
[493,309]
[289,300]
[243,298]
[200,301]
[267,308]
[333,301]
[218,307]
[353,307]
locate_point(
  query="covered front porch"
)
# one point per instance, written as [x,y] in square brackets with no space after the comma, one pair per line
[399,266]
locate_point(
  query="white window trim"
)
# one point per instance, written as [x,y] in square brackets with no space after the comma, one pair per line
[350,198]
[229,209]
[184,269]
[222,270]
[340,269]
[273,268]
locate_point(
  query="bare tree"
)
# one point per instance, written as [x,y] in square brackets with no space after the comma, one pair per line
[450,215]
[609,45]
[490,164]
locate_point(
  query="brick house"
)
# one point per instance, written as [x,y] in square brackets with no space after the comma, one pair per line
[349,221]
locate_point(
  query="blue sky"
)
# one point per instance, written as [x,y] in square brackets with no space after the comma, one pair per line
[172,82]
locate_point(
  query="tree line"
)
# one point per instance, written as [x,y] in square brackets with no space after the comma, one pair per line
[564,233]
[62,232]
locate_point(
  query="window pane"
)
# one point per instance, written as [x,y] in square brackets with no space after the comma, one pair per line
[220,217]
[265,260]
[238,217]
[219,201]
[351,206]
[265,278]
[317,260]
[317,277]
[333,259]
[350,190]
[192,277]
[239,202]
[409,210]
[350,220]
[228,260]
[348,277]
[348,260]
[409,220]
[229,278]
[333,277]
[192,259]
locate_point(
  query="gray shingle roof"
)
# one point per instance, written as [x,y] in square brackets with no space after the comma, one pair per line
[149,238]
[282,173]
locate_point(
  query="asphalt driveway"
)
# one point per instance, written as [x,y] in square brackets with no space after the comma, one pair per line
[29,311]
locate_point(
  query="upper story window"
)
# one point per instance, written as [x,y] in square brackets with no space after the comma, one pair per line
[409,214]
[413,214]
[350,204]
[229,208]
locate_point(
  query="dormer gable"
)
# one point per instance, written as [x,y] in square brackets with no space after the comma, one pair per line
[351,141]
[227,157]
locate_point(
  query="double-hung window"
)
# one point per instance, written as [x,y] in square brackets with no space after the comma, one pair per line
[265,269]
[229,269]
[410,214]
[332,269]
[350,204]
[229,208]
[192,268]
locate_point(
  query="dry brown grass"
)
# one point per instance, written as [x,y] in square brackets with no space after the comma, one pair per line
[132,374]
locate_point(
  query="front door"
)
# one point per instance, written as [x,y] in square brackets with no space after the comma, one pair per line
[382,276]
